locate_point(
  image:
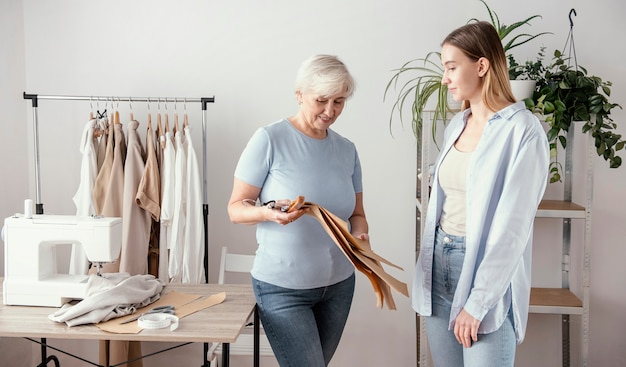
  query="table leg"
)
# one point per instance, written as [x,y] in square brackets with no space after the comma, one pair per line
[257,338]
[206,362]
[45,359]
[225,354]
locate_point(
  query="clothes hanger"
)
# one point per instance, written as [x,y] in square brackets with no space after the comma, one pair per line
[91,106]
[149,114]
[160,128]
[117,112]
[175,113]
[97,130]
[167,119]
[159,112]
[102,115]
[130,105]
[185,119]
[175,124]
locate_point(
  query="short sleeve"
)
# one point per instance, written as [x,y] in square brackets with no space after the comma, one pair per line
[255,160]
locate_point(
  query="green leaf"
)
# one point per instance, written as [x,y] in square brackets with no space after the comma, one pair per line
[548,107]
[563,141]
[616,162]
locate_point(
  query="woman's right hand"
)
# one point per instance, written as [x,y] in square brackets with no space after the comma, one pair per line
[283,217]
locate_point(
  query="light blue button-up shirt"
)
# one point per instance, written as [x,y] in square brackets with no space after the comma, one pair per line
[507,176]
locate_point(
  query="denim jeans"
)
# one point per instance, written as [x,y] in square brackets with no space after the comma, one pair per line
[495,349]
[304,326]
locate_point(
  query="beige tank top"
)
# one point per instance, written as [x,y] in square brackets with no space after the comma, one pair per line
[453,181]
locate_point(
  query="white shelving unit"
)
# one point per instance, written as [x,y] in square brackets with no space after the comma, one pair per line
[561,300]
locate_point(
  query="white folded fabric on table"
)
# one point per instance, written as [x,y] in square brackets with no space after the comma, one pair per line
[109,296]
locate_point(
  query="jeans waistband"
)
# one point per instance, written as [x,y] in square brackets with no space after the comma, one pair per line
[449,240]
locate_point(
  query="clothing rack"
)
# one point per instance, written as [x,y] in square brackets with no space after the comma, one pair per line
[202,100]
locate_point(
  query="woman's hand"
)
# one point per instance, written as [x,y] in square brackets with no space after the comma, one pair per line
[281,217]
[362,236]
[466,329]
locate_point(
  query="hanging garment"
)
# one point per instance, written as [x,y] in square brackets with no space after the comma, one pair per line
[148,197]
[167,202]
[101,185]
[193,253]
[177,229]
[114,352]
[136,221]
[109,189]
[102,125]
[83,199]
[113,203]
[149,192]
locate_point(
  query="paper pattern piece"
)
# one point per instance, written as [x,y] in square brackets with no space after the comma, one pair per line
[360,255]
[184,305]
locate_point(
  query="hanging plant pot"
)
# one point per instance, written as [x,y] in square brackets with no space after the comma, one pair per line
[523,89]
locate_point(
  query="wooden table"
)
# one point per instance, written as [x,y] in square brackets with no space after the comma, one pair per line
[221,323]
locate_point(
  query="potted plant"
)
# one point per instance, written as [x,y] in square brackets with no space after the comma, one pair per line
[424,82]
[524,77]
[530,70]
[521,76]
[565,94]
[423,75]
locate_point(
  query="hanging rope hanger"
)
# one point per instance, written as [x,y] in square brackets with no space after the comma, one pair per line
[570,40]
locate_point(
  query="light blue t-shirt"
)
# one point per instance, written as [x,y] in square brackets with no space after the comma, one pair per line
[286,163]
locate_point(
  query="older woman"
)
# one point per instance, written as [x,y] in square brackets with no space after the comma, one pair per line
[302,281]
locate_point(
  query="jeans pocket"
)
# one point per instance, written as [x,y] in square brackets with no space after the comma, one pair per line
[452,261]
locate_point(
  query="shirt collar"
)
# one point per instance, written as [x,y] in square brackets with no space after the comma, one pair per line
[508,112]
[505,113]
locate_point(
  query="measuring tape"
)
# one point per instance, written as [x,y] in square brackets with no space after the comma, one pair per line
[158,321]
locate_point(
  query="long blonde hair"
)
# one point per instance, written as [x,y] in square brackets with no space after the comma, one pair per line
[480,39]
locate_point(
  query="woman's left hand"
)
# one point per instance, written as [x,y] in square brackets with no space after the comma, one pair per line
[362,236]
[466,329]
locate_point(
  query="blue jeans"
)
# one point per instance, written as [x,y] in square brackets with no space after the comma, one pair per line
[495,349]
[304,326]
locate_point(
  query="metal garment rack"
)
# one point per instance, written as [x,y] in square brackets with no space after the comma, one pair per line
[203,100]
[35,98]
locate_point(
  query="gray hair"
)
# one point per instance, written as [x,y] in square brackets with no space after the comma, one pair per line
[325,75]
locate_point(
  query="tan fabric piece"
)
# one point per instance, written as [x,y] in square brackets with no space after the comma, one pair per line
[184,305]
[360,255]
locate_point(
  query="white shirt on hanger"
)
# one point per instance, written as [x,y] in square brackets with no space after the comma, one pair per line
[167,203]
[83,199]
[177,229]
[193,252]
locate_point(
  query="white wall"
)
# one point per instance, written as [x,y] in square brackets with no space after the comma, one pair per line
[14,140]
[246,54]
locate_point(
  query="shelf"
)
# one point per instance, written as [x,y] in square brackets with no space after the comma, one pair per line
[547,209]
[555,301]
[560,209]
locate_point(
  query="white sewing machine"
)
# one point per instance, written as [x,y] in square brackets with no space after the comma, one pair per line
[30,255]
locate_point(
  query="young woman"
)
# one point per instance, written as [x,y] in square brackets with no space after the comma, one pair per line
[472,276]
